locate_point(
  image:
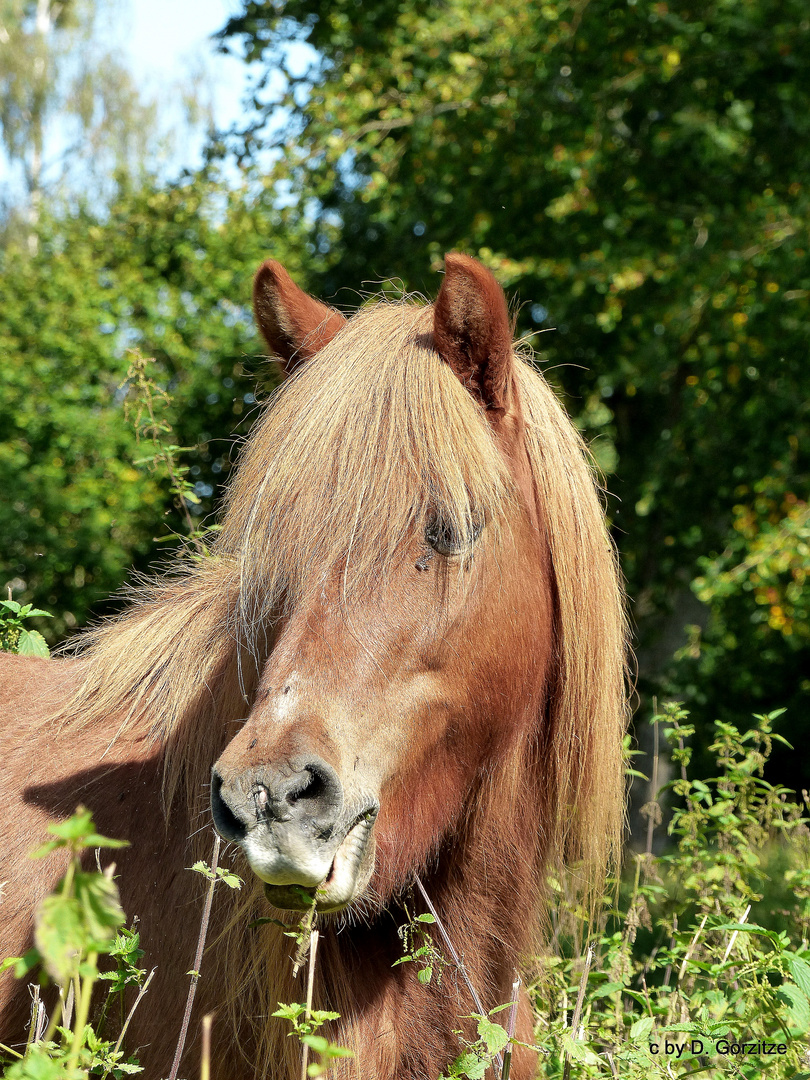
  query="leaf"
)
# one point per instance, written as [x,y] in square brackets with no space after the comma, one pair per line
[204,869]
[68,927]
[800,970]
[642,1028]
[579,1051]
[608,988]
[425,975]
[27,962]
[316,1042]
[798,1006]
[227,877]
[32,643]
[77,832]
[470,1065]
[752,928]
[100,905]
[426,917]
[60,935]
[290,1012]
[12,606]
[495,1037]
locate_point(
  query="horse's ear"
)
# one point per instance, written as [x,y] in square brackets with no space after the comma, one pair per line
[295,325]
[472,331]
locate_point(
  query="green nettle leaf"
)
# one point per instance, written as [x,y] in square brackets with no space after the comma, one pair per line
[38,1064]
[60,934]
[579,1051]
[201,867]
[68,927]
[98,898]
[798,1007]
[290,1012]
[495,1036]
[316,1042]
[471,1065]
[606,990]
[800,970]
[642,1028]
[77,832]
[32,643]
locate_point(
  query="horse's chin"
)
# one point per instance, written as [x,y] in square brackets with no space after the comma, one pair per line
[346,881]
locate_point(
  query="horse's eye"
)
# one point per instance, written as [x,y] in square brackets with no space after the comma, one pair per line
[446,540]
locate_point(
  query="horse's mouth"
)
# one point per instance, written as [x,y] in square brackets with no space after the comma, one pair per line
[349,873]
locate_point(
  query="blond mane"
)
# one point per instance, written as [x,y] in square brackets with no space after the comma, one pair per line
[352,455]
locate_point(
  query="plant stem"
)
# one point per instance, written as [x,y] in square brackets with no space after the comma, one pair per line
[510,1029]
[205,1063]
[313,946]
[654,791]
[83,1011]
[583,982]
[195,975]
[125,1025]
[456,958]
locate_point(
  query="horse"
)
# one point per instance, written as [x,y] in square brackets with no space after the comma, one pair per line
[402,660]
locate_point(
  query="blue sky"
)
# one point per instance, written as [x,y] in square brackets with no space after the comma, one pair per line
[170,38]
[164,43]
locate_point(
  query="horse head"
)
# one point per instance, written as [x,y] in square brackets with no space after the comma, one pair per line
[385,708]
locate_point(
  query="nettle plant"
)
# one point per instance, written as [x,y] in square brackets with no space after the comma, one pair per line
[703,964]
[78,924]
[14,636]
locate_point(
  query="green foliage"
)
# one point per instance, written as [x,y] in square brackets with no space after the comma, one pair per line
[305,1023]
[474,1061]
[420,948]
[14,637]
[757,592]
[222,873]
[695,950]
[164,270]
[636,174]
[80,921]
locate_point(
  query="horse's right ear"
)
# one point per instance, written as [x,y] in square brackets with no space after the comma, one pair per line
[295,325]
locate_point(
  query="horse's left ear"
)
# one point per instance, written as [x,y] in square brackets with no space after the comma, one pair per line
[472,330]
[295,325]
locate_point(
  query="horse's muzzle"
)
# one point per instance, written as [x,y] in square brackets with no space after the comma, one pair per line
[299,837]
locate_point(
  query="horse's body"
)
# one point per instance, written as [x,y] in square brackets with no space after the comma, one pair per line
[405,656]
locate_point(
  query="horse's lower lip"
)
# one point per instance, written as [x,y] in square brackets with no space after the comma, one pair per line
[339,887]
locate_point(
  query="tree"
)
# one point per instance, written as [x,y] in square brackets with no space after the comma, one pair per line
[166,269]
[637,174]
[71,113]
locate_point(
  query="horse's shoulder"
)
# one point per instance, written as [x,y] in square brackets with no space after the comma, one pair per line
[30,683]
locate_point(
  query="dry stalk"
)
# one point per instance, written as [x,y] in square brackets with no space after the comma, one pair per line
[691,948]
[313,947]
[651,819]
[578,1008]
[195,973]
[510,1029]
[456,958]
[733,937]
[205,1061]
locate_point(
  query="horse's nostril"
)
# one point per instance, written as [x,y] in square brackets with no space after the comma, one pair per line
[313,789]
[227,823]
